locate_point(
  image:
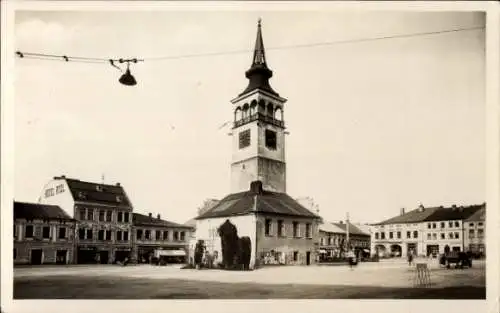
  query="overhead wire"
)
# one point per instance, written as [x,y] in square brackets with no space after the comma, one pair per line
[43,56]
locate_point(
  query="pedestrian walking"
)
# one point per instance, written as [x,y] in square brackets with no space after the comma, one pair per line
[351,258]
[410,257]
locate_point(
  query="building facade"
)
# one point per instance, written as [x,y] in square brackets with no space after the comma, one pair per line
[333,242]
[43,234]
[104,215]
[154,237]
[424,231]
[475,229]
[280,229]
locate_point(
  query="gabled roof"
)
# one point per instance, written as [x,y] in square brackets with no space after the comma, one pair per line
[97,193]
[353,229]
[331,228]
[434,214]
[414,216]
[146,220]
[479,216]
[31,211]
[453,213]
[257,200]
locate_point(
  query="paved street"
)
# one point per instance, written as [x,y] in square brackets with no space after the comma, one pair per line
[374,276]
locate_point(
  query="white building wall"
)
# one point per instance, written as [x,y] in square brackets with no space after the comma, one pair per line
[61,196]
[206,230]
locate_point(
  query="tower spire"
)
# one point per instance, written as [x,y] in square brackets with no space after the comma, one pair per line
[259,55]
[259,74]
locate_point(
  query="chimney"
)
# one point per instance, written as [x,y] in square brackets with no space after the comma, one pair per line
[150,214]
[256,187]
[341,222]
[158,216]
[402,211]
[118,184]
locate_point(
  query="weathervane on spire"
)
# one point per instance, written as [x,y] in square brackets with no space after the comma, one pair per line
[259,21]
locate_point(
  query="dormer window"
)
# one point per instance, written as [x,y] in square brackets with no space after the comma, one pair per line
[82,195]
[98,188]
[119,199]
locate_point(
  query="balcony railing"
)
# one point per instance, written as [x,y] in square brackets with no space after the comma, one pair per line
[260,117]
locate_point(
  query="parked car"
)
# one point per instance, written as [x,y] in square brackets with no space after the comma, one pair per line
[460,259]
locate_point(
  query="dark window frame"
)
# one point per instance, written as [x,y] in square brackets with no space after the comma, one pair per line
[244,139]
[44,228]
[271,139]
[62,230]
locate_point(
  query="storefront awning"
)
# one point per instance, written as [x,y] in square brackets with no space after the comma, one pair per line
[322,251]
[170,253]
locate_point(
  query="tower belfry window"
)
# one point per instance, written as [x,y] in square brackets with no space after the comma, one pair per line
[271,139]
[244,139]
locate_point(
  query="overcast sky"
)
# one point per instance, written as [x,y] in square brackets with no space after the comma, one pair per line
[374,126]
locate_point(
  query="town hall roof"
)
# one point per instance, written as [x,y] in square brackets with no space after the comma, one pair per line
[30,211]
[257,200]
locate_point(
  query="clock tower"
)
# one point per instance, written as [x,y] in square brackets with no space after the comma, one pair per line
[258,130]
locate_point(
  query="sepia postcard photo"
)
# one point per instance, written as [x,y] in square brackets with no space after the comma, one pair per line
[235,151]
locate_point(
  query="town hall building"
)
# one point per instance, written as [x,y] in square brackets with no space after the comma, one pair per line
[281,230]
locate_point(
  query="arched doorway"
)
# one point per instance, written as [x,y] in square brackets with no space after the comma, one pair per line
[380,250]
[396,251]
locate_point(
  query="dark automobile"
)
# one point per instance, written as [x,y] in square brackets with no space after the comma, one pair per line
[460,259]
